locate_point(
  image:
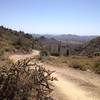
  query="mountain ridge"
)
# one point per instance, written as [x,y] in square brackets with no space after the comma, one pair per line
[67,37]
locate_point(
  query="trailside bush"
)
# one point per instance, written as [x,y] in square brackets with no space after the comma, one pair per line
[97,67]
[75,65]
[44,53]
[21,82]
[79,66]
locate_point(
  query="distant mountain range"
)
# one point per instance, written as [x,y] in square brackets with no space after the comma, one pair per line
[67,37]
[14,41]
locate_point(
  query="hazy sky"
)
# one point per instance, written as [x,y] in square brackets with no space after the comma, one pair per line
[80,17]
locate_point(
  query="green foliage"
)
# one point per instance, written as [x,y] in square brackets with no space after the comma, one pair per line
[97,67]
[44,53]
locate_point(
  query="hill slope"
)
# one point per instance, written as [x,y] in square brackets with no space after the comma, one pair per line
[13,41]
[92,47]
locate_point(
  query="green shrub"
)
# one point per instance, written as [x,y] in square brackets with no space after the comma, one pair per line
[44,53]
[97,67]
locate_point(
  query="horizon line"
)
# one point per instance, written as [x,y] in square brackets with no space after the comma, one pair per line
[44,33]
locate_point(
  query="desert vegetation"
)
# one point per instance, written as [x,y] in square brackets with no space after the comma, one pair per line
[85,57]
[18,81]
[83,63]
[97,67]
[14,41]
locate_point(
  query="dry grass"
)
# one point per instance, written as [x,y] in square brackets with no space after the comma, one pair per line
[78,62]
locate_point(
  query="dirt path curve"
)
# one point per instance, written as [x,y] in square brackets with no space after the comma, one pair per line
[17,57]
[72,84]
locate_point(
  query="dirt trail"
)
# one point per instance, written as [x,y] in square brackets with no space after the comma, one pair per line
[72,84]
[17,57]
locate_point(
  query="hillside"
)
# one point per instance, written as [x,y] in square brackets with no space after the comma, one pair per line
[13,41]
[92,47]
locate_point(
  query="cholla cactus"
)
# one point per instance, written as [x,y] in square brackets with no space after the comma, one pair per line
[20,82]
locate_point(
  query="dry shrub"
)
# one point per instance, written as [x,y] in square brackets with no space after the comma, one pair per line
[75,65]
[79,66]
[97,67]
[19,82]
